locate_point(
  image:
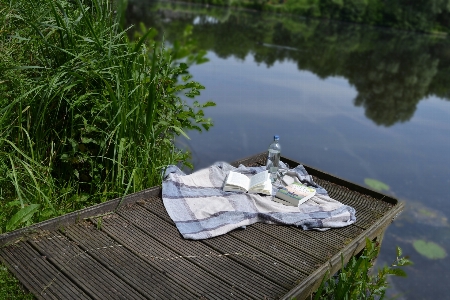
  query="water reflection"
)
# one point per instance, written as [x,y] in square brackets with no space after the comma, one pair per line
[391,70]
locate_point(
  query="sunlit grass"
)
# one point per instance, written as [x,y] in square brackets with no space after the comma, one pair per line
[86,114]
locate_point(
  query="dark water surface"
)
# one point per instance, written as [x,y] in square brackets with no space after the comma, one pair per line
[354,101]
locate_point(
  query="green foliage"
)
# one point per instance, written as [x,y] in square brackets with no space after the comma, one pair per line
[303,7]
[354,280]
[86,113]
[429,16]
[9,286]
[22,216]
[429,249]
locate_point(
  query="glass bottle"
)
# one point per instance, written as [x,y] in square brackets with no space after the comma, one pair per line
[273,158]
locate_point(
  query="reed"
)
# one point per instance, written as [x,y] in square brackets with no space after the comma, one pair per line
[86,113]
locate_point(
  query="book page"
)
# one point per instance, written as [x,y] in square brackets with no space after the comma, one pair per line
[264,188]
[237,179]
[259,179]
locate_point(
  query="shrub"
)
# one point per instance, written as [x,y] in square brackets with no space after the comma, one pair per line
[355,281]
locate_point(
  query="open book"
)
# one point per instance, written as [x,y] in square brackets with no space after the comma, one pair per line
[259,183]
[294,194]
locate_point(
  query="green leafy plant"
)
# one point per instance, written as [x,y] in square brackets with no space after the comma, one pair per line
[355,281]
[87,114]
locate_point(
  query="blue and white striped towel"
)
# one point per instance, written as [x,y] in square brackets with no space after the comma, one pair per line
[201,209]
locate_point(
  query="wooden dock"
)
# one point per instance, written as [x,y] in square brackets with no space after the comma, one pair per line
[129,249]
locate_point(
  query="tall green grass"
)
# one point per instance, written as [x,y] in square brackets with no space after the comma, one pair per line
[86,113]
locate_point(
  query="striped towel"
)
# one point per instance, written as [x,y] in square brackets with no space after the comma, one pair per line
[201,209]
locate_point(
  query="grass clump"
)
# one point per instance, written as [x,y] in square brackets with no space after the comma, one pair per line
[86,113]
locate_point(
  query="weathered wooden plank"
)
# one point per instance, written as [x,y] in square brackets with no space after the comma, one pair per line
[365,214]
[82,269]
[73,217]
[38,275]
[254,259]
[269,259]
[350,231]
[306,287]
[254,160]
[331,237]
[228,270]
[257,261]
[347,196]
[136,272]
[286,253]
[299,240]
[177,267]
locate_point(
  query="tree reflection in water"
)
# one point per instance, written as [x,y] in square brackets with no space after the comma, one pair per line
[391,70]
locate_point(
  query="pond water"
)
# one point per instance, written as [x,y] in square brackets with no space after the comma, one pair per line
[354,101]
